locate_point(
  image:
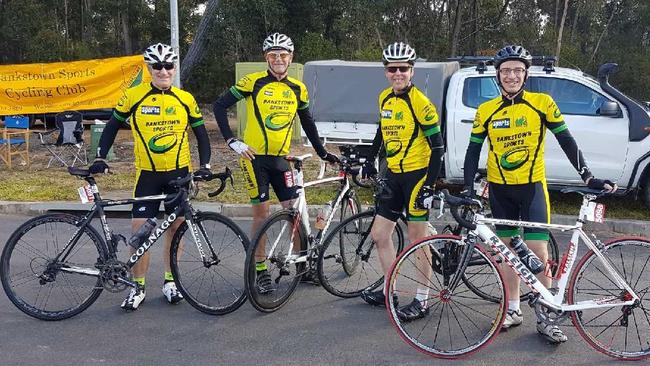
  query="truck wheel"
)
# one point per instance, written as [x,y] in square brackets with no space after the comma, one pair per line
[645,190]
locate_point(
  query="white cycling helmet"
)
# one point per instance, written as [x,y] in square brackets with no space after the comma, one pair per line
[159,52]
[277,41]
[398,52]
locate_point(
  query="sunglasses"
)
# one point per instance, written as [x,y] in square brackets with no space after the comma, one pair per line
[160,65]
[393,69]
[277,55]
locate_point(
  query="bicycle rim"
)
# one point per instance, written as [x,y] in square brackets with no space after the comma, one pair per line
[458,321]
[277,238]
[348,262]
[215,286]
[621,332]
[39,286]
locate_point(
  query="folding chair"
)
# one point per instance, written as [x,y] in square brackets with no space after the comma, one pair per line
[15,139]
[68,147]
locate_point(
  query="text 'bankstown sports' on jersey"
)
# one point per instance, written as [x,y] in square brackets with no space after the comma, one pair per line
[516,130]
[159,121]
[271,109]
[406,120]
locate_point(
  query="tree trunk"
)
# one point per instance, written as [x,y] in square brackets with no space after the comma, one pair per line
[575,20]
[457,23]
[126,32]
[472,42]
[559,33]
[602,35]
[195,52]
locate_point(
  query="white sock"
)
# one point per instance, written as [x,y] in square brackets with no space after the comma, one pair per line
[422,295]
[513,304]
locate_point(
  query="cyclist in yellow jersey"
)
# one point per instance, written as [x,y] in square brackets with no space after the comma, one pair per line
[272,101]
[159,115]
[515,125]
[409,130]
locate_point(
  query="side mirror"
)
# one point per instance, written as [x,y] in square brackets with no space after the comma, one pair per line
[610,109]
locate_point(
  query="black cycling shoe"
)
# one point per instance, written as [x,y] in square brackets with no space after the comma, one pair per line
[374,298]
[310,277]
[413,311]
[263,283]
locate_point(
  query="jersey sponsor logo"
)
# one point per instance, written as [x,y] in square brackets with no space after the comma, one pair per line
[171,111]
[501,123]
[286,93]
[393,147]
[197,110]
[399,116]
[386,113]
[521,122]
[150,110]
[268,93]
[243,81]
[429,117]
[557,113]
[476,123]
[514,158]
[162,143]
[120,103]
[277,121]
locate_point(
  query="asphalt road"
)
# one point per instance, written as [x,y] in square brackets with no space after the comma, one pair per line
[315,328]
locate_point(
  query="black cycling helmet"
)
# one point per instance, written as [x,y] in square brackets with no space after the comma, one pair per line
[513,52]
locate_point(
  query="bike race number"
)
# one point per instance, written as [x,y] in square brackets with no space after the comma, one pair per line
[86,194]
[596,212]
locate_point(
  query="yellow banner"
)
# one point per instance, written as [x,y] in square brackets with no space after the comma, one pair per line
[60,86]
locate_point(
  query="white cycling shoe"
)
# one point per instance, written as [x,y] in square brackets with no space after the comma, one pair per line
[551,333]
[134,299]
[171,293]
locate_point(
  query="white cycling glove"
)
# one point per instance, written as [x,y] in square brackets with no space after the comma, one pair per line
[238,146]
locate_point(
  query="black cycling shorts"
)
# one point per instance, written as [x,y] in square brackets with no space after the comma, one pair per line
[525,202]
[404,188]
[149,183]
[264,170]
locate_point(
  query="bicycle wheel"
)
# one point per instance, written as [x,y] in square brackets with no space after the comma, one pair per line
[350,205]
[621,332]
[457,321]
[214,286]
[42,286]
[278,238]
[524,291]
[348,262]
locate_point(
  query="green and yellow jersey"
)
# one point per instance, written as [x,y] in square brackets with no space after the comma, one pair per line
[159,121]
[516,130]
[406,120]
[271,110]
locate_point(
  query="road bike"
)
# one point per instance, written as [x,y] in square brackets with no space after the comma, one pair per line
[605,295]
[288,244]
[481,189]
[56,265]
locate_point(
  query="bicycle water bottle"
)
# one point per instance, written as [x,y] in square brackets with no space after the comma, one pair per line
[526,255]
[323,214]
[143,233]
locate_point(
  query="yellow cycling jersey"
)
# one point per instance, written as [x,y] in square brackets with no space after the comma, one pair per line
[516,130]
[271,109]
[159,121]
[405,121]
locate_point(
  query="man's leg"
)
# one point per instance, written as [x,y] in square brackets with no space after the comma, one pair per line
[139,270]
[382,235]
[169,290]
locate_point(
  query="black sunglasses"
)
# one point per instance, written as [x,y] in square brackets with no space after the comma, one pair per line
[160,65]
[393,69]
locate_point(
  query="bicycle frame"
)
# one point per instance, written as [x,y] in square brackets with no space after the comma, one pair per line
[300,207]
[111,242]
[547,299]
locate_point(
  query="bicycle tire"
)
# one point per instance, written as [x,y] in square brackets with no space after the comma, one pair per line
[448,310]
[38,241]
[215,288]
[610,330]
[276,266]
[344,269]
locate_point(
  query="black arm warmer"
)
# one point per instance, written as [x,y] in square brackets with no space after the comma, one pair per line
[220,109]
[308,125]
[435,161]
[108,137]
[570,148]
[203,141]
[376,145]
[470,167]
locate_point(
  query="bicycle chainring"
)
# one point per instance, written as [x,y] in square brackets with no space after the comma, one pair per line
[549,317]
[115,276]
